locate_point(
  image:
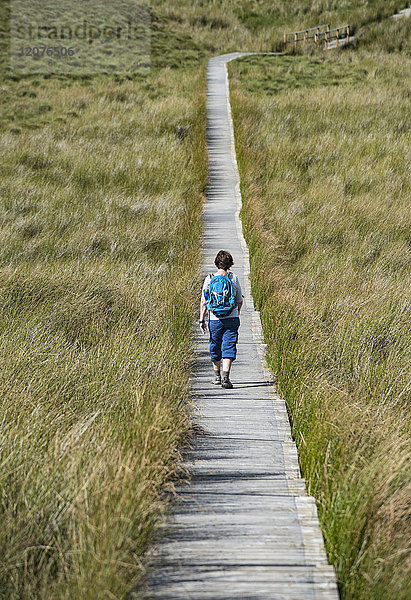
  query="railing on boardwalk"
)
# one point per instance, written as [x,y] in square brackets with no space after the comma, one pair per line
[322,34]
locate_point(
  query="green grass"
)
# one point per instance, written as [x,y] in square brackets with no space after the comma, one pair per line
[324,172]
[101,197]
[306,72]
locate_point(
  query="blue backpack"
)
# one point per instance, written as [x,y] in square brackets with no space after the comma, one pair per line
[220,295]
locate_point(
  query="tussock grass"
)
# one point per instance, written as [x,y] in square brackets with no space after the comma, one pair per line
[101,199]
[324,171]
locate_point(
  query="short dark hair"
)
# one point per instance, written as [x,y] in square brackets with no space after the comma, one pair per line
[223,260]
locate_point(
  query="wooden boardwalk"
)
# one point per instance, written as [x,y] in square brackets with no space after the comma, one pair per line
[244,527]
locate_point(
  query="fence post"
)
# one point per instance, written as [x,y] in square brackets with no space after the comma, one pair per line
[305,35]
[316,36]
[337,35]
[285,39]
[326,40]
[348,33]
[295,40]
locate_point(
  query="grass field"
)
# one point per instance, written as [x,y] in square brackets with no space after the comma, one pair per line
[323,148]
[102,184]
[99,268]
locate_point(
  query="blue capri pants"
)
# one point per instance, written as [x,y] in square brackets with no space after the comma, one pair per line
[223,338]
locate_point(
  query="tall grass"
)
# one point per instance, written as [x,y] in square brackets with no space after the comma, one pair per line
[100,229]
[324,171]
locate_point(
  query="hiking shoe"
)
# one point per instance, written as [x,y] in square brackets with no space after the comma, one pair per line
[226,383]
[217,379]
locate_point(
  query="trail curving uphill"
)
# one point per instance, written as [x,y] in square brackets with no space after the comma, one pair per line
[244,527]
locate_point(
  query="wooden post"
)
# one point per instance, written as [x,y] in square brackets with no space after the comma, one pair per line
[295,40]
[337,35]
[316,37]
[285,39]
[348,33]
[326,40]
[305,36]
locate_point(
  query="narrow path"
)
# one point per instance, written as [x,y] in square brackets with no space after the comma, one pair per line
[341,42]
[244,527]
[405,12]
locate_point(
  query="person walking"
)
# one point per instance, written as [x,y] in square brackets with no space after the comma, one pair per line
[222,297]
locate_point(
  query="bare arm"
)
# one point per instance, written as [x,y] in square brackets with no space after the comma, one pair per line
[203,308]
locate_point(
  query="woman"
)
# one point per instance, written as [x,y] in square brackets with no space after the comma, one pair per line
[223,329]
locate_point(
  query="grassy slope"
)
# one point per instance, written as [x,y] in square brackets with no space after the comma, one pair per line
[322,144]
[102,183]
